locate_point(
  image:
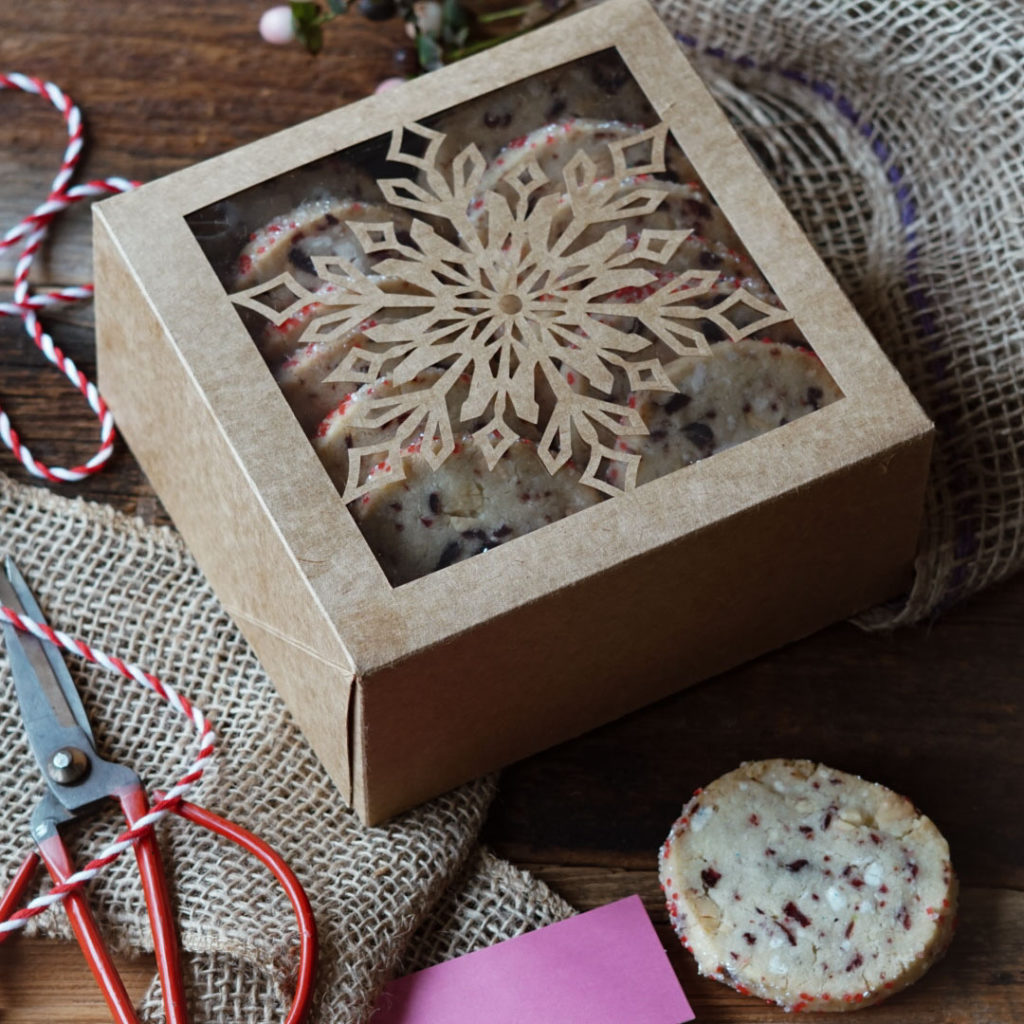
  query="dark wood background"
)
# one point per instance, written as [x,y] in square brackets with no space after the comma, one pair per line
[931,711]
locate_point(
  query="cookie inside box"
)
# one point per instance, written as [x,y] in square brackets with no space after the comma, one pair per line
[508,312]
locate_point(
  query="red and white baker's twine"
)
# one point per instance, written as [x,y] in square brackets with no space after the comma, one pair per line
[30,232]
[159,809]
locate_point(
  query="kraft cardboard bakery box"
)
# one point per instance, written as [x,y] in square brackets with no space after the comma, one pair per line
[503,403]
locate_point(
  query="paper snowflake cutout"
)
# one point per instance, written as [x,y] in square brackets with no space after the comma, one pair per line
[530,282]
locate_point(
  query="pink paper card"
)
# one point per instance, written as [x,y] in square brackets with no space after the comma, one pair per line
[606,966]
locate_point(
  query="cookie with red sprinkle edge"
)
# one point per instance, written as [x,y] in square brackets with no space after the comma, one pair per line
[318,227]
[582,89]
[808,887]
[553,146]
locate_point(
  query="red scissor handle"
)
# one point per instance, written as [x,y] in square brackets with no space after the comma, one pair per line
[55,855]
[16,888]
[166,949]
[276,864]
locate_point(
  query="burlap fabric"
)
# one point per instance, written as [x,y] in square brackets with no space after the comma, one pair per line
[893,131]
[410,891]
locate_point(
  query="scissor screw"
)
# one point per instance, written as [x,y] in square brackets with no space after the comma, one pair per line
[67,765]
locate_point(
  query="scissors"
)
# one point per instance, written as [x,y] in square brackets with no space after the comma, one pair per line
[77,780]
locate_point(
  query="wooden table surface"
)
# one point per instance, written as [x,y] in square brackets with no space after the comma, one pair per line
[931,711]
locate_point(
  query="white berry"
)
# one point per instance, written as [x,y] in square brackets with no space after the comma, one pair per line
[276,25]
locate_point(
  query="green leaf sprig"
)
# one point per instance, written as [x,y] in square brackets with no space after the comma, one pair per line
[444,31]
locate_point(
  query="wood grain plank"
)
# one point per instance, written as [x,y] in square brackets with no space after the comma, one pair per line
[981,981]
[43,981]
[162,85]
[54,421]
[932,712]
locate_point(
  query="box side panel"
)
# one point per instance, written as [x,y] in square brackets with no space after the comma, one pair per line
[643,630]
[177,441]
[317,698]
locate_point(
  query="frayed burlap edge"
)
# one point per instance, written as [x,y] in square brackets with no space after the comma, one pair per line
[894,132]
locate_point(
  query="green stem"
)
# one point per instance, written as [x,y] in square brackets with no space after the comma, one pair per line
[483,44]
[511,12]
[486,44]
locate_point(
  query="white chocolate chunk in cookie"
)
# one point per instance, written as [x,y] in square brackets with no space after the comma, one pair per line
[435,517]
[743,389]
[807,886]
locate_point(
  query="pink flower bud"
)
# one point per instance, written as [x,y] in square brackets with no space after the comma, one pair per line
[389,83]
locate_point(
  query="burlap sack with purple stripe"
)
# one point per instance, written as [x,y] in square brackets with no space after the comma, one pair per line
[894,131]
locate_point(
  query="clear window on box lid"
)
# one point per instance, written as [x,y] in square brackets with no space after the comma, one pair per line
[498,317]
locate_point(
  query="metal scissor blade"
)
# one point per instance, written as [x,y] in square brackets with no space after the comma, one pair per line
[55,720]
[38,664]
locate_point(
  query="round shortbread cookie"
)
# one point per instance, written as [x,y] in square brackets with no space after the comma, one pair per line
[554,145]
[279,342]
[721,290]
[435,517]
[711,245]
[340,431]
[301,376]
[319,227]
[684,206]
[591,88]
[743,389]
[808,887]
